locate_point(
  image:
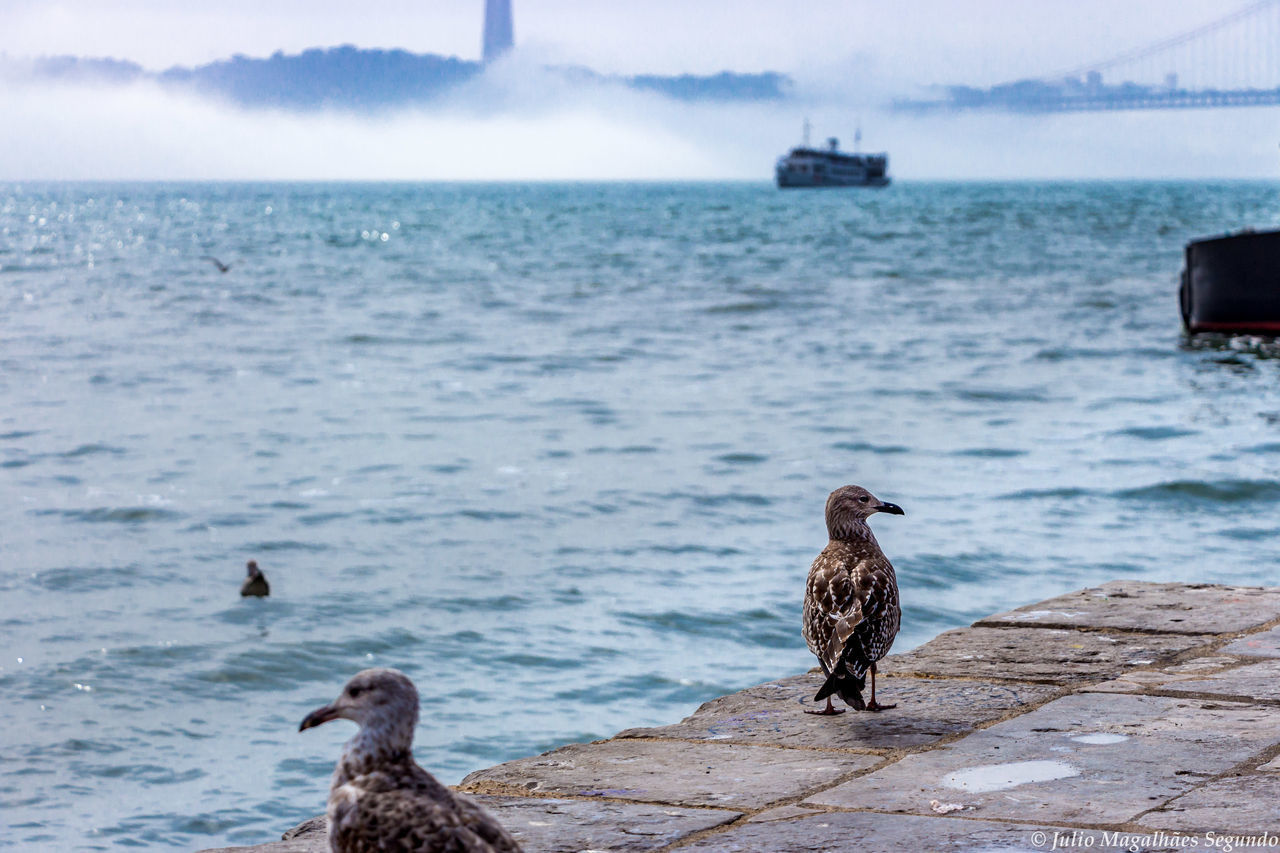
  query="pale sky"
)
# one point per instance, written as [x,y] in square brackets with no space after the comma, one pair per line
[974,41]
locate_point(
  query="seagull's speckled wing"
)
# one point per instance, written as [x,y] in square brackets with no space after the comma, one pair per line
[846,589]
[403,809]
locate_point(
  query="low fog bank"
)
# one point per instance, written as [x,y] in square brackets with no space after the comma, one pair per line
[374,80]
[520,121]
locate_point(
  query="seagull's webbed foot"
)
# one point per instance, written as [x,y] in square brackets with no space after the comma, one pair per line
[828,711]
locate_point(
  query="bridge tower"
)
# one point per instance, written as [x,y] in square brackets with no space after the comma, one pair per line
[498,31]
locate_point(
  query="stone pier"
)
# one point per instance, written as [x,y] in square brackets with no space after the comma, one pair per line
[1130,716]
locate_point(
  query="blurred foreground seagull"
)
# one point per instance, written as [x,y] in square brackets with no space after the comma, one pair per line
[380,799]
[851,611]
[256,582]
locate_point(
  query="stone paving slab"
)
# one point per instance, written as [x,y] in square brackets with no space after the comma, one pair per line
[1090,758]
[569,826]
[927,711]
[1038,654]
[868,832]
[1238,805]
[1170,608]
[678,773]
[318,825]
[1264,645]
[551,826]
[1139,680]
[1259,681]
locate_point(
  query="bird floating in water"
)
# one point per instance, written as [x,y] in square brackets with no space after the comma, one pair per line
[256,582]
[851,611]
[380,799]
[217,263]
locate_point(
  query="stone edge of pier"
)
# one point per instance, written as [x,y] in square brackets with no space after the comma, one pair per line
[1129,714]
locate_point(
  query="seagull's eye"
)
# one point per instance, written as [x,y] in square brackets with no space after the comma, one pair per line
[355,691]
[863,499]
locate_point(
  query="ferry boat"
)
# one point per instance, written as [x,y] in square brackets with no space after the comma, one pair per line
[831,167]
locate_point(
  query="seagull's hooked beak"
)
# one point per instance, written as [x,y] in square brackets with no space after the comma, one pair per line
[320,716]
[892,509]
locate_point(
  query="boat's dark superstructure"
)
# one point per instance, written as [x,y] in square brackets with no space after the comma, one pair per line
[1231,284]
[830,167]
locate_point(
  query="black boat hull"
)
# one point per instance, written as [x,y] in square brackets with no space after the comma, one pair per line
[1232,284]
[790,183]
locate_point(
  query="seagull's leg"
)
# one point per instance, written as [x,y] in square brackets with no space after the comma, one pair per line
[830,709]
[874,705]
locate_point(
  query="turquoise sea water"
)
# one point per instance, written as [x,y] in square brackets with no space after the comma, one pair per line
[560,453]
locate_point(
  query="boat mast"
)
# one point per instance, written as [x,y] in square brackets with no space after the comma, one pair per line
[805,144]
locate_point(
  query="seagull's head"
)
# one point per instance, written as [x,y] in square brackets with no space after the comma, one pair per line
[848,508]
[376,699]
[251,568]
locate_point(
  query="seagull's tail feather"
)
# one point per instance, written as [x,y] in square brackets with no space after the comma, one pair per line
[847,687]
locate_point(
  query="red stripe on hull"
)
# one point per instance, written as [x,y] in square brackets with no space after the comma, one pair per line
[1264,327]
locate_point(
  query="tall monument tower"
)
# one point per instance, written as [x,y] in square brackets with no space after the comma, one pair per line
[498,32]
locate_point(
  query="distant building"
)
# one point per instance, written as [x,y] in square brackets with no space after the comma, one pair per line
[499,36]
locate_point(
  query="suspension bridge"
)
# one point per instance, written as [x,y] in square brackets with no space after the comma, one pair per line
[1233,61]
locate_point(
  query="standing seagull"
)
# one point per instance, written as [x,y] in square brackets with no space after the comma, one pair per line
[851,611]
[380,799]
[255,582]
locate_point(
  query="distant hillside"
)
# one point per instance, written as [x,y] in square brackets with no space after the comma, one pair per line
[725,86]
[345,77]
[76,69]
[351,78]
